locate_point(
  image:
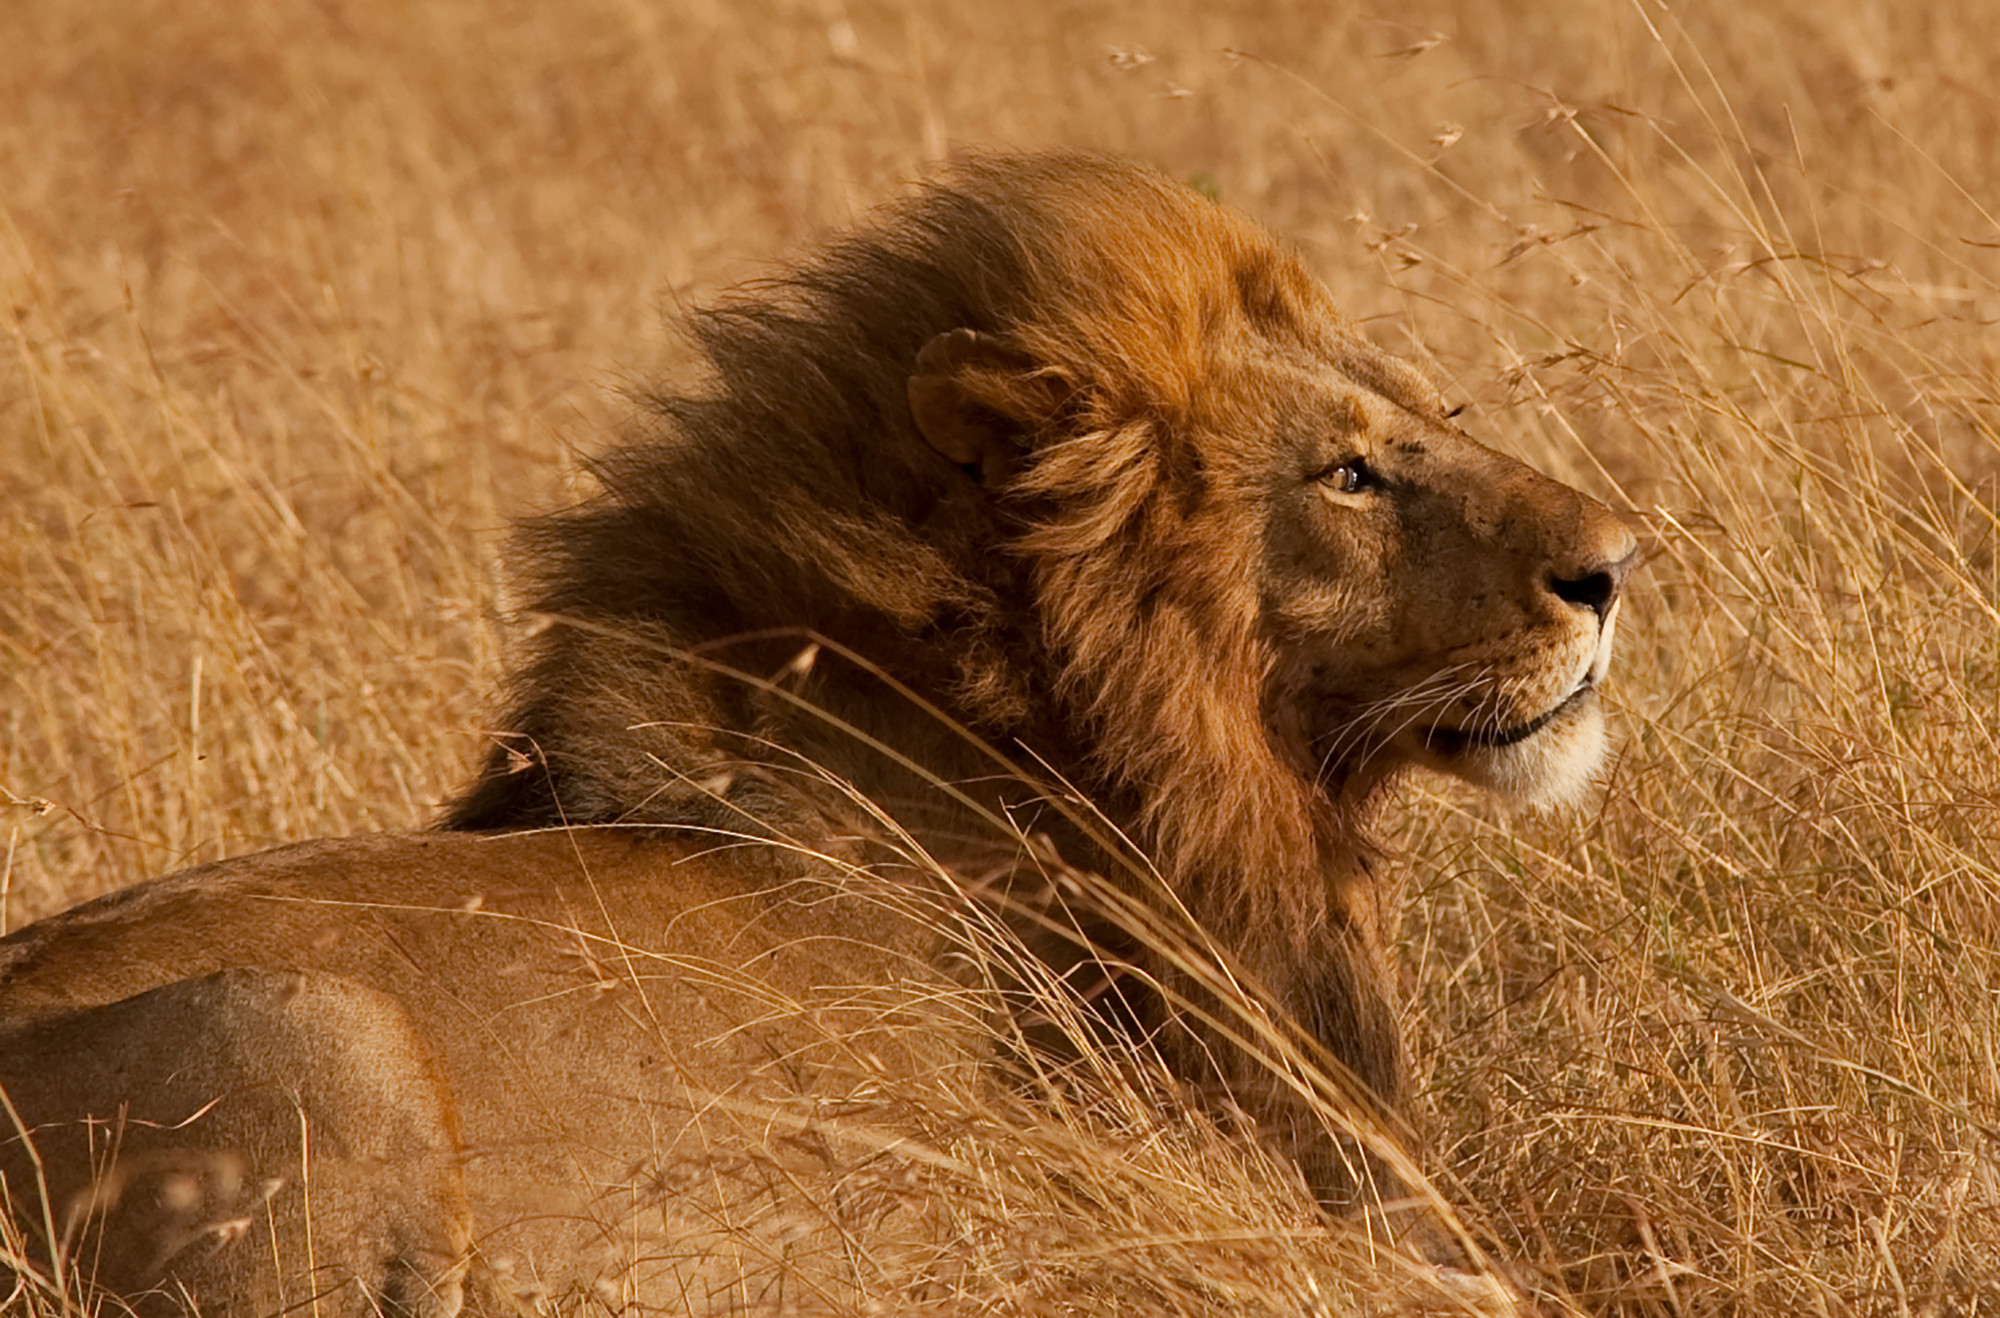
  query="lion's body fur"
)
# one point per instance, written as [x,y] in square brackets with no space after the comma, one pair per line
[536,1107]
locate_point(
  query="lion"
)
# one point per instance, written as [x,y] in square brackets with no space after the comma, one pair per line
[1050,526]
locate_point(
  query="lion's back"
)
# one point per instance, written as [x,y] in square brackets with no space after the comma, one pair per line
[576,1011]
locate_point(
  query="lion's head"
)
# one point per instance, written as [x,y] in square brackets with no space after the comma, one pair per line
[1245,522]
[1060,458]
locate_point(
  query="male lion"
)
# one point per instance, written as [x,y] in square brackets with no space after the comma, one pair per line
[1053,523]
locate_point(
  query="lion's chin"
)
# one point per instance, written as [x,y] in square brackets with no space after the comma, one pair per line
[1549,762]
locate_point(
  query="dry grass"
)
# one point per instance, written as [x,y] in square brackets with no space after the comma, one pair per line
[305,299]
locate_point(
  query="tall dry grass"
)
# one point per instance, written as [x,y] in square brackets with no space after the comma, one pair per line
[304,300]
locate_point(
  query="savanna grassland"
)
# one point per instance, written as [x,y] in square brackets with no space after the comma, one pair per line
[303,300]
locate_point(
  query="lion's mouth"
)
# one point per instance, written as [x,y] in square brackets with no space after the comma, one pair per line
[1457,741]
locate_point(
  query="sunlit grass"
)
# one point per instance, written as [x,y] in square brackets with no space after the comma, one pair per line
[305,301]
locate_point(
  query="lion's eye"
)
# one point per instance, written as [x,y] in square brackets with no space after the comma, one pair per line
[1349,477]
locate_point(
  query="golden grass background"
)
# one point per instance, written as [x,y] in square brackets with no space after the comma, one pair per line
[304,300]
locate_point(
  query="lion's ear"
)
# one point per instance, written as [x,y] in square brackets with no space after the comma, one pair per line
[978,399]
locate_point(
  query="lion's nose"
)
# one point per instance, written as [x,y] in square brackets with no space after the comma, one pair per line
[1597,588]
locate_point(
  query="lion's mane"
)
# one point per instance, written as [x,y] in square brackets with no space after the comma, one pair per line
[1075,617]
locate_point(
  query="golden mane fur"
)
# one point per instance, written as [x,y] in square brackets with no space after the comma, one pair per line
[1082,613]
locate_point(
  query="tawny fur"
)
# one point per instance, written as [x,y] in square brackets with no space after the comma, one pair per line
[1055,502]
